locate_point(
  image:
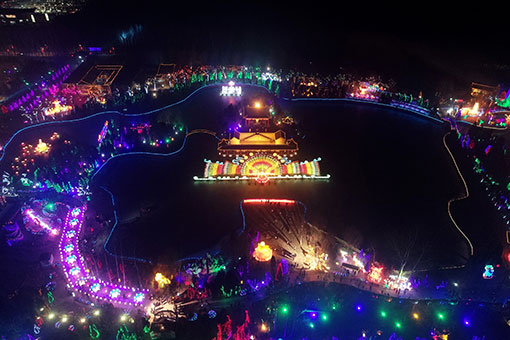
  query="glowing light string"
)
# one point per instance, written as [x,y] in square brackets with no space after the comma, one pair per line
[365,102]
[464,196]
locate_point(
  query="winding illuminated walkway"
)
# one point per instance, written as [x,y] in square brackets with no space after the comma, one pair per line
[464,196]
[78,275]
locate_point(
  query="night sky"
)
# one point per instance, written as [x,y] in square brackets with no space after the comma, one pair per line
[446,47]
[423,46]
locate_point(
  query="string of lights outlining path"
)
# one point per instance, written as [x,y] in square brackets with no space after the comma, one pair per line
[464,196]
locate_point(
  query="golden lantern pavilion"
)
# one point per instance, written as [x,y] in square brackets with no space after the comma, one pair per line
[259,151]
[257,134]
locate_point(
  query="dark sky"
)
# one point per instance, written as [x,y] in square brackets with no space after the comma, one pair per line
[420,44]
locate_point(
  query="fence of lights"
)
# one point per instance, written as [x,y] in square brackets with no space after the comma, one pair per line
[231,90]
[254,178]
[78,276]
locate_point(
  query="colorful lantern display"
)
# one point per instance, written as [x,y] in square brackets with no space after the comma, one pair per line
[262,252]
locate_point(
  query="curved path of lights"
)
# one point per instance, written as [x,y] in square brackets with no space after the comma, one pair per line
[464,196]
[78,275]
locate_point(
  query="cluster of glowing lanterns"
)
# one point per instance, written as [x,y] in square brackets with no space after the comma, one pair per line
[26,160]
[42,147]
[262,252]
[398,282]
[57,108]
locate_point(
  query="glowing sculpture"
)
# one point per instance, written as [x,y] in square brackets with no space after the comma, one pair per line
[95,287]
[262,252]
[398,282]
[262,168]
[139,297]
[261,164]
[231,90]
[162,280]
[42,147]
[221,169]
[38,221]
[75,212]
[103,132]
[488,272]
[71,259]
[115,293]
[375,274]
[471,111]
[57,108]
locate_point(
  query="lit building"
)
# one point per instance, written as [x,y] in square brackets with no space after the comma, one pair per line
[259,150]
[257,134]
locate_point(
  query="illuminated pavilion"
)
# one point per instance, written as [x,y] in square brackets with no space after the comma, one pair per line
[257,134]
[259,150]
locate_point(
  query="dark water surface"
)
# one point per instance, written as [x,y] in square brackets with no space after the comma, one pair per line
[391,180]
